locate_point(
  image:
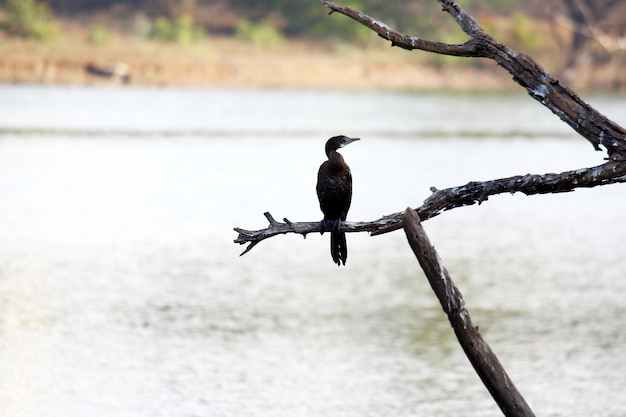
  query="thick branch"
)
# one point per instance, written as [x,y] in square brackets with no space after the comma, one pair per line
[540,85]
[478,192]
[447,199]
[477,350]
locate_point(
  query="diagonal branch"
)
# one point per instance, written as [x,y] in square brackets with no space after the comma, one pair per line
[478,192]
[479,353]
[447,199]
[540,85]
[468,49]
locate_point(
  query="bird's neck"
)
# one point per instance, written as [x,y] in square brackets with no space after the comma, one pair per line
[335,157]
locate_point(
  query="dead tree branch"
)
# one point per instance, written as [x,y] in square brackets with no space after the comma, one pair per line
[588,122]
[540,85]
[584,119]
[447,199]
[477,350]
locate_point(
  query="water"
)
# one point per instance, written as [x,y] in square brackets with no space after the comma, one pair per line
[122,293]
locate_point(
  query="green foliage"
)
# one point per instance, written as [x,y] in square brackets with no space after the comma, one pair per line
[438,27]
[142,26]
[183,30]
[99,35]
[263,32]
[162,29]
[523,30]
[30,19]
[186,30]
[308,18]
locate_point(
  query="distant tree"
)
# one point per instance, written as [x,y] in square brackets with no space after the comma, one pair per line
[591,23]
[181,30]
[30,19]
[82,6]
[99,35]
[264,32]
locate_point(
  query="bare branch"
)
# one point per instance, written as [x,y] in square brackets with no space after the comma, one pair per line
[480,355]
[478,192]
[540,85]
[253,237]
[450,198]
[468,49]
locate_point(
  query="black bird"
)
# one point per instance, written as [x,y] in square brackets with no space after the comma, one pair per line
[334,191]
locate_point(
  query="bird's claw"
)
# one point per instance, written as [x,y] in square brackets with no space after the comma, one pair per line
[330,226]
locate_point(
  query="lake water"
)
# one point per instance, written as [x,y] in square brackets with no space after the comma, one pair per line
[122,292]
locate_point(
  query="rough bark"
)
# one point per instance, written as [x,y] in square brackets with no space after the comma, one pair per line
[540,85]
[482,358]
[584,119]
[447,199]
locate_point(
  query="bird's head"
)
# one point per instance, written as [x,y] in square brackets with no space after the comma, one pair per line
[337,142]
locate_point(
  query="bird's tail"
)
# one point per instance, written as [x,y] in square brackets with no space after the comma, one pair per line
[338,247]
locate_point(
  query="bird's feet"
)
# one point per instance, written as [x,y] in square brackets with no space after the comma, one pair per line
[329,225]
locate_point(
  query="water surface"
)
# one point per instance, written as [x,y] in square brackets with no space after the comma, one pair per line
[122,293]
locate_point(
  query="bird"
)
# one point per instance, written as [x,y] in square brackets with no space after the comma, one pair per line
[334,192]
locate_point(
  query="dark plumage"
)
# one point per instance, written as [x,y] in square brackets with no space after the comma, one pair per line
[334,191]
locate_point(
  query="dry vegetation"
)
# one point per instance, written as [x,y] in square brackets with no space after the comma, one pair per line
[226,62]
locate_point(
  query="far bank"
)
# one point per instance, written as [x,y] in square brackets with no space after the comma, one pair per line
[222,62]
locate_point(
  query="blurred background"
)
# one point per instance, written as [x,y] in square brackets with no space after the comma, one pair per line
[242,43]
[135,136]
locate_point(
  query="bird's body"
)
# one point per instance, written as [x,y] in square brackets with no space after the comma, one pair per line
[334,191]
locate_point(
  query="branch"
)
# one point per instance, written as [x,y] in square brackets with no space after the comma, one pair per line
[478,192]
[254,237]
[450,198]
[482,358]
[540,85]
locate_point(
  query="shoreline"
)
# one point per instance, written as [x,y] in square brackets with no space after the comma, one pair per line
[229,63]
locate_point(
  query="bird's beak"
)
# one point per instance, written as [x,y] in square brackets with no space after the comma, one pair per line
[348,141]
